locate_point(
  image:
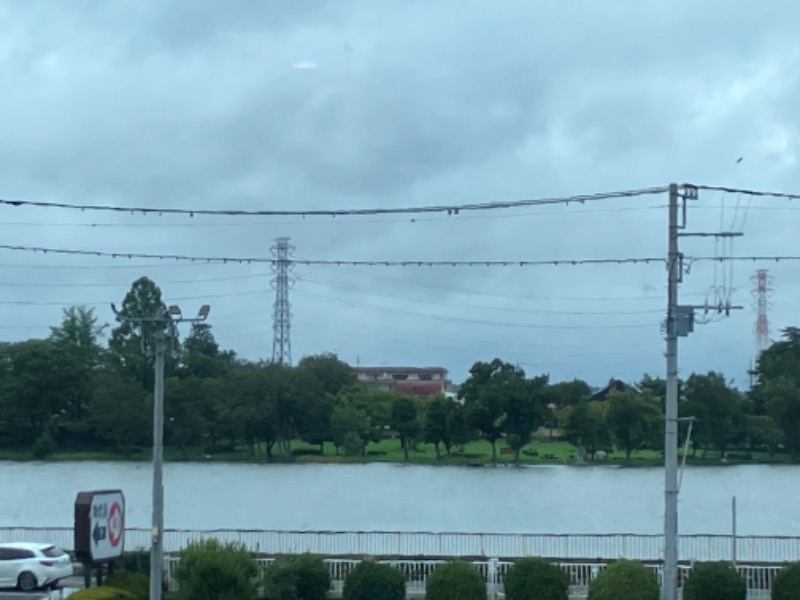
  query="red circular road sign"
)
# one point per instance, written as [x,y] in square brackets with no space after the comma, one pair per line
[116,524]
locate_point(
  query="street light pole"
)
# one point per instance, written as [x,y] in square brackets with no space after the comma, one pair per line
[157,548]
[164,326]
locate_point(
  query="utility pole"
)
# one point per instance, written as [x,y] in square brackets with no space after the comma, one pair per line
[669,587]
[679,323]
[160,326]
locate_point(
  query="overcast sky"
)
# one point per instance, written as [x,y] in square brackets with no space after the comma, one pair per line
[344,104]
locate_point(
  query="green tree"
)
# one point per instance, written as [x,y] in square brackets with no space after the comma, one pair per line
[783,404]
[777,389]
[38,386]
[718,409]
[781,359]
[131,352]
[763,434]
[524,411]
[120,413]
[332,373]
[201,356]
[435,428]
[77,339]
[314,425]
[570,393]
[185,411]
[485,392]
[634,420]
[586,427]
[405,422]
[351,427]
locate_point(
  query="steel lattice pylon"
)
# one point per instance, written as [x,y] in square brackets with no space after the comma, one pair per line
[282,309]
[762,292]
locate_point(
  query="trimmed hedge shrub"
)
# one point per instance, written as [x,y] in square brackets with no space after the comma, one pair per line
[103,592]
[786,585]
[625,580]
[209,570]
[138,584]
[301,577]
[536,578]
[714,581]
[455,581]
[374,581]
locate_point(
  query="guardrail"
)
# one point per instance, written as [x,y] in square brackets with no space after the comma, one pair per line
[566,547]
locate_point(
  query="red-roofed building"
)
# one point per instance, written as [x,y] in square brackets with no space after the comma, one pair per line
[420,382]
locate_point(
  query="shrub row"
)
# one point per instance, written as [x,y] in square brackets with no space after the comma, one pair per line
[210,570]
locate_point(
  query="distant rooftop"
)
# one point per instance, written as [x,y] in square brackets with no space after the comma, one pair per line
[400,370]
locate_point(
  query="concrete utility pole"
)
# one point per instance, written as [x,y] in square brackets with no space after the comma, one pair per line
[165,326]
[669,588]
[679,323]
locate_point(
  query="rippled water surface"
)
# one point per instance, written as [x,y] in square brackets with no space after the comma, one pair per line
[390,497]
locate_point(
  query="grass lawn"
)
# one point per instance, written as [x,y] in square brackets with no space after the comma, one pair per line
[389,450]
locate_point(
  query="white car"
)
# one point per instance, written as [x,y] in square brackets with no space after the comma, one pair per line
[29,566]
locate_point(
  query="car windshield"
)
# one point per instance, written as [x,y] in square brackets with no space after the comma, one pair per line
[53,552]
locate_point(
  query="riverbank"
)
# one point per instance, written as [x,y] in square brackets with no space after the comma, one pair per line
[474,454]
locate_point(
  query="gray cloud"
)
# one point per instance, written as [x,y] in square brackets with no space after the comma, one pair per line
[197,104]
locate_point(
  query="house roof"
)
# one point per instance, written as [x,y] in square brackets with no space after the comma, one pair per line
[373,370]
[614,385]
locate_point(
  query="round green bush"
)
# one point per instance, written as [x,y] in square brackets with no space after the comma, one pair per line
[455,581]
[374,581]
[786,585]
[625,580]
[210,570]
[536,578]
[103,592]
[714,581]
[301,577]
[138,584]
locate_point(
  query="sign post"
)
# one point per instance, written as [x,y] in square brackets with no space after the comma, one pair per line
[99,528]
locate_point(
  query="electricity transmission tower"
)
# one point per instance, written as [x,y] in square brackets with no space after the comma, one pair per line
[762,292]
[282,309]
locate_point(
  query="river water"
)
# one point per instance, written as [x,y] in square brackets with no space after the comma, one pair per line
[392,497]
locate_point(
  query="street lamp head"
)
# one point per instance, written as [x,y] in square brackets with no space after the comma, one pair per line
[175,310]
[204,310]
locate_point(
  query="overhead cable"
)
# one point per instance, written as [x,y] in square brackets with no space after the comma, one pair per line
[745,192]
[332,262]
[452,209]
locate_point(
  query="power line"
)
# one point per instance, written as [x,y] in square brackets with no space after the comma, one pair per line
[746,192]
[451,209]
[331,262]
[389,263]
[778,258]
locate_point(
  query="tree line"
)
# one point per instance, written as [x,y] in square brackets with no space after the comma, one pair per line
[71,391]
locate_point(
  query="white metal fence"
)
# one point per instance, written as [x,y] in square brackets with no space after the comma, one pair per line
[568,547]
